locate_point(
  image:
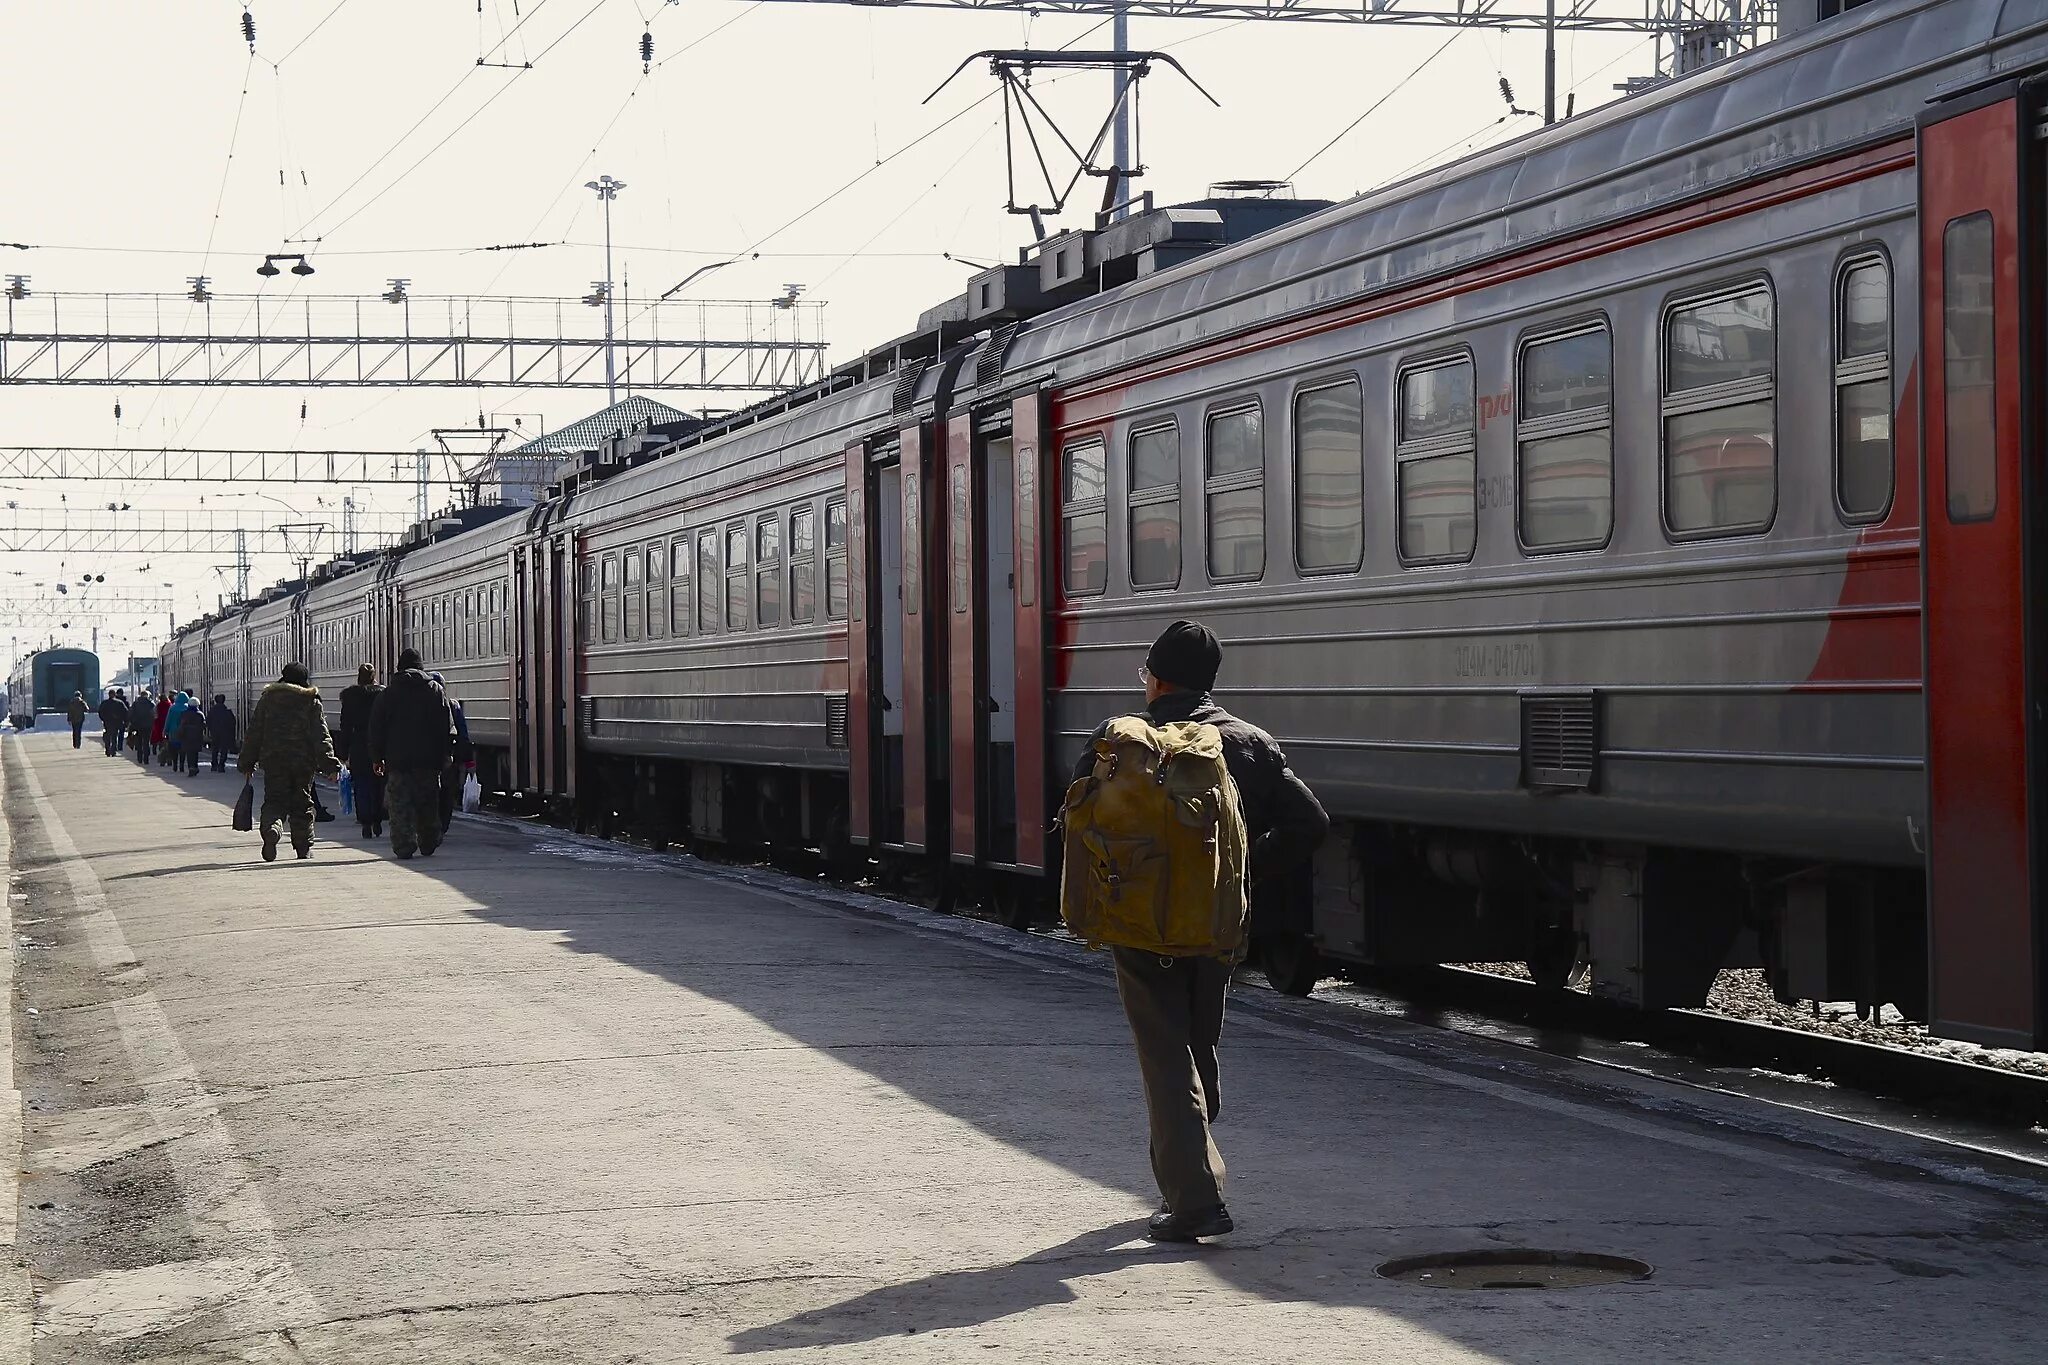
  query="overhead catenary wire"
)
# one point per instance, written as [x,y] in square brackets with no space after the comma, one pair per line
[1374,107]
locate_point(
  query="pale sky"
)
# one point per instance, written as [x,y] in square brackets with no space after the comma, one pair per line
[122,117]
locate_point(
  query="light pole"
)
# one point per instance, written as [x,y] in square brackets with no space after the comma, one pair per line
[607,190]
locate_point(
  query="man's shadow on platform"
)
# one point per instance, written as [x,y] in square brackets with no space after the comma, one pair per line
[964,1298]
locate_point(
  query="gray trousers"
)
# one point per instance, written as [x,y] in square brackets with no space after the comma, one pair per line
[1175,1008]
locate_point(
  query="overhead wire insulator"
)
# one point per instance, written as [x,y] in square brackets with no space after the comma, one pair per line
[646,52]
[1507,92]
[249,28]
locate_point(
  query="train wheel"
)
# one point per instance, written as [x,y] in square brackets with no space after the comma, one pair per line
[1291,963]
[1558,962]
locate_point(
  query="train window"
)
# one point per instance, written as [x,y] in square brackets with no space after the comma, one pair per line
[708,582]
[835,559]
[608,599]
[736,577]
[1564,441]
[803,566]
[657,594]
[1329,478]
[1085,510]
[1720,413]
[679,585]
[1234,488]
[1863,388]
[1154,502]
[1436,448]
[768,571]
[629,601]
[1970,382]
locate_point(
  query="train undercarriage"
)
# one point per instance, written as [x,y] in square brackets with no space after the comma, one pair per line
[1642,925]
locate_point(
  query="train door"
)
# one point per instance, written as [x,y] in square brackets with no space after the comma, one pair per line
[522,776]
[896,618]
[562,656]
[981,640]
[1985,562]
[862,699]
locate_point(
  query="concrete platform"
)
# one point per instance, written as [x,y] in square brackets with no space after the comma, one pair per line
[540,1100]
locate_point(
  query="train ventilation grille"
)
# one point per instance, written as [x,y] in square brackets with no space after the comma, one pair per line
[835,722]
[586,709]
[905,397]
[1560,740]
[988,366]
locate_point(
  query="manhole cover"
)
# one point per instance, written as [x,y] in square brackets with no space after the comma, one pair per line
[1514,1269]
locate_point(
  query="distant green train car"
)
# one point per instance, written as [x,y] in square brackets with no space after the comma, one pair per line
[44,682]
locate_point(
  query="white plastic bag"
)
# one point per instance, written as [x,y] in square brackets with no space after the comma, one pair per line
[472,794]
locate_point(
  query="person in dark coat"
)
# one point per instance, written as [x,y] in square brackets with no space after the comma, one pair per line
[141,719]
[191,737]
[76,711]
[353,744]
[113,722]
[288,739]
[220,731]
[1175,1004]
[453,776]
[412,737]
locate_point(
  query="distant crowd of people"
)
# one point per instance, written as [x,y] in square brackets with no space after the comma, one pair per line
[405,749]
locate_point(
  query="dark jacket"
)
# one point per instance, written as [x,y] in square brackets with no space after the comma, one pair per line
[192,729]
[141,716]
[465,752]
[75,710]
[288,733]
[1282,817]
[114,713]
[220,727]
[352,735]
[411,729]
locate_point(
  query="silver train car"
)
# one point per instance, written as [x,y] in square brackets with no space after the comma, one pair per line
[1588,519]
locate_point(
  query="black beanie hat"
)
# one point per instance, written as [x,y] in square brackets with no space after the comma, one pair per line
[408,658]
[1185,655]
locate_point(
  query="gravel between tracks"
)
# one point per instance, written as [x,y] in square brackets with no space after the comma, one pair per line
[1742,993]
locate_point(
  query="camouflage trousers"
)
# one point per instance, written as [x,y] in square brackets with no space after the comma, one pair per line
[412,801]
[288,797]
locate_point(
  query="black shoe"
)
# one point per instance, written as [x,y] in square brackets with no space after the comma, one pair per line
[269,845]
[1176,1227]
[404,856]
[302,852]
[427,850]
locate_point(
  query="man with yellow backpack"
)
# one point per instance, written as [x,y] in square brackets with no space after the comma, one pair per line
[1176,816]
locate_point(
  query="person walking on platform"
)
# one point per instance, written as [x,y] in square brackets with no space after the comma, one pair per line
[412,735]
[453,775]
[76,711]
[220,731]
[287,738]
[174,724]
[357,702]
[156,729]
[1264,823]
[113,722]
[141,718]
[191,737]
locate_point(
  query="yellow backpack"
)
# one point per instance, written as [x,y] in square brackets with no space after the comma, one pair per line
[1155,844]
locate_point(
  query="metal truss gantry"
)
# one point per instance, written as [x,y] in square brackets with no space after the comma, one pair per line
[1595,16]
[186,532]
[344,341]
[29,464]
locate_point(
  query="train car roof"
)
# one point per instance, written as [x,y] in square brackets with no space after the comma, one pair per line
[1852,81]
